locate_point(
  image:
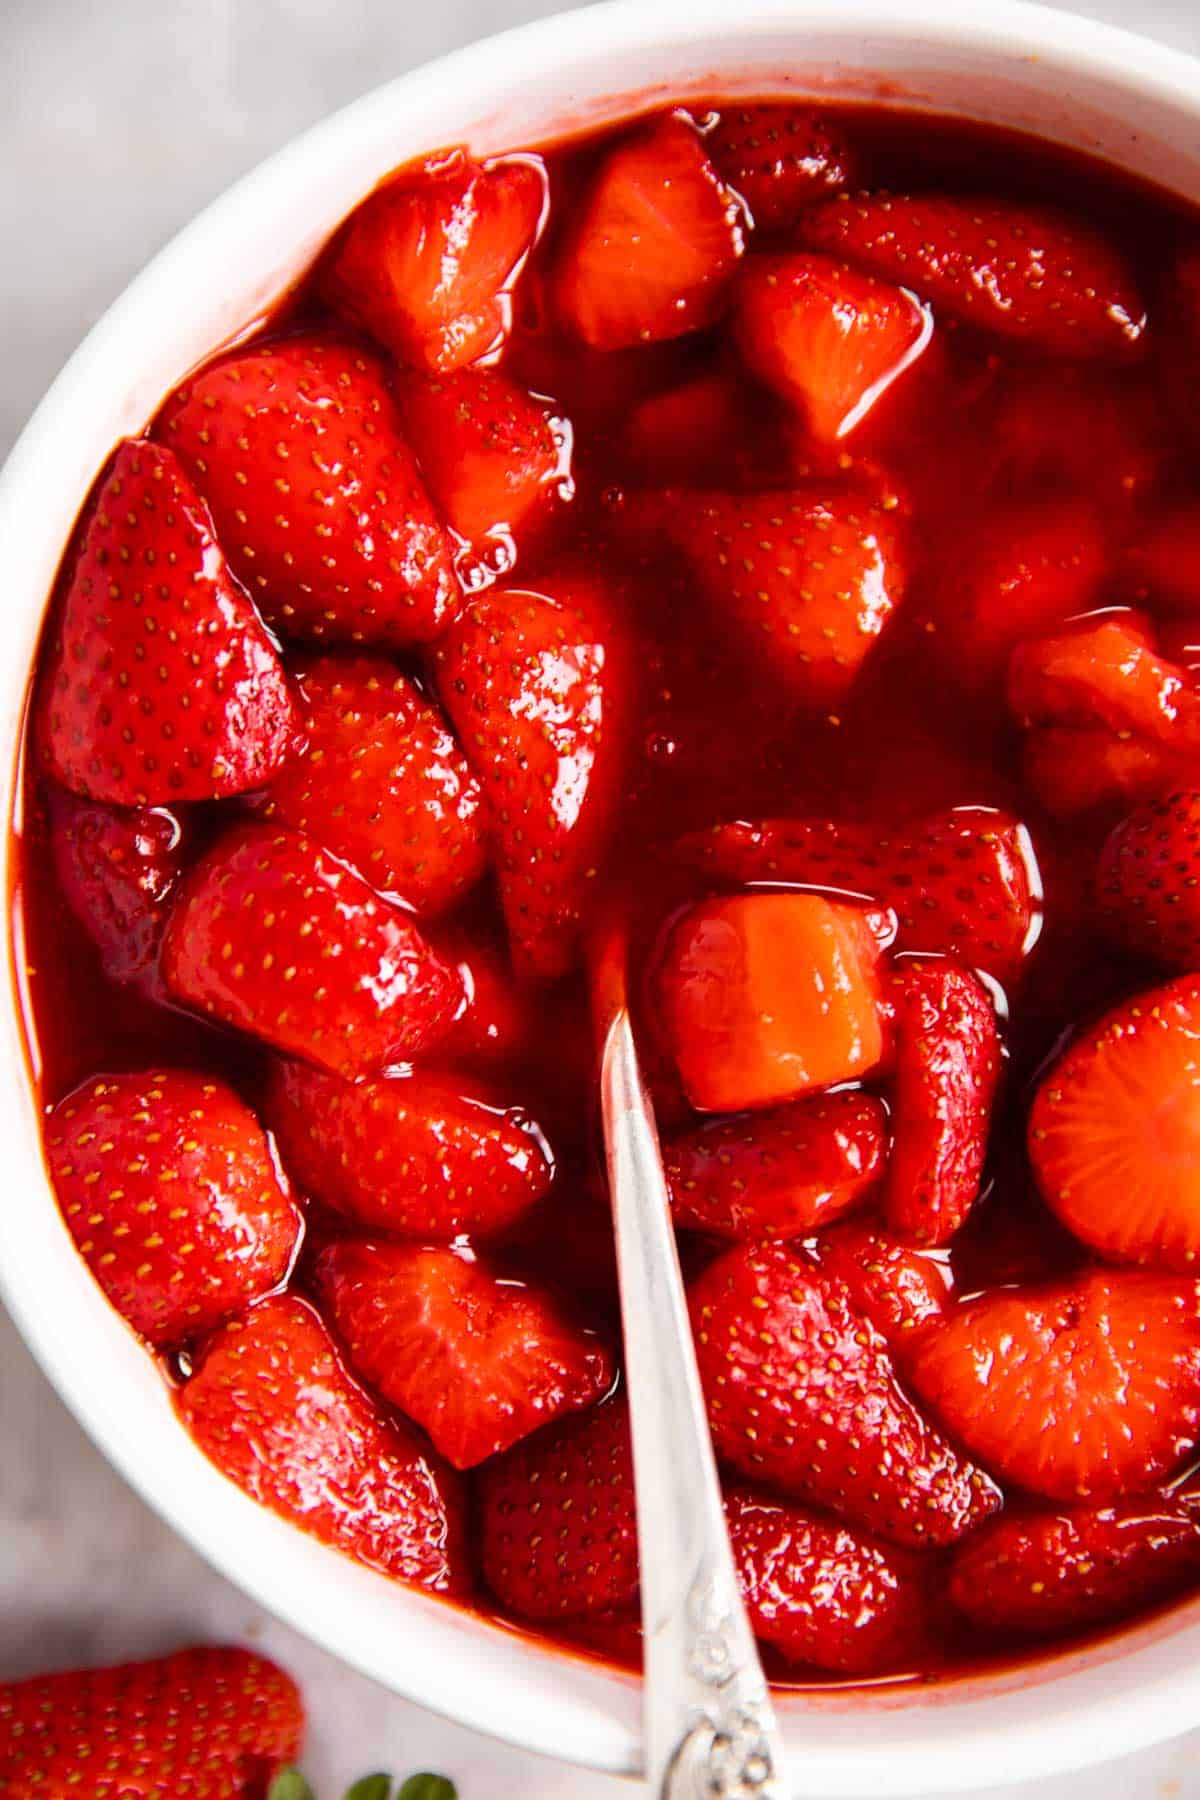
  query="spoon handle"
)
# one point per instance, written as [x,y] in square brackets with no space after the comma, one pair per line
[710,1728]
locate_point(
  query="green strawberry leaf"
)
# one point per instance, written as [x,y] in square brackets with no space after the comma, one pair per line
[371,1787]
[428,1787]
[289,1784]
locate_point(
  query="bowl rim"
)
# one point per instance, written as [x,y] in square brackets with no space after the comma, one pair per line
[1020,1733]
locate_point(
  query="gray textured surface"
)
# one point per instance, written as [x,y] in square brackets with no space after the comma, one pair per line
[121,118]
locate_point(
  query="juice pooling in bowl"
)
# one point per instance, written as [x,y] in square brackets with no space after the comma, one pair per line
[778,530]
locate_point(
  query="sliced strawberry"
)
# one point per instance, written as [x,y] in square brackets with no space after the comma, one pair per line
[118,869]
[272,935]
[428,262]
[821,1593]
[1078,1389]
[765,997]
[802,1394]
[382,783]
[558,1526]
[896,1288]
[653,244]
[963,883]
[1040,1573]
[160,682]
[1148,881]
[804,586]
[297,448]
[534,687]
[478,1362]
[779,159]
[1114,1132]
[1027,272]
[169,1188]
[1163,565]
[827,337]
[272,1406]
[494,456]
[420,1155]
[947,1064]
[779,1174]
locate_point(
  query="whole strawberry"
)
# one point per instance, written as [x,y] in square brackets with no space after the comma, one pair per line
[118,868]
[170,1189]
[779,159]
[898,1289]
[207,1724]
[160,683]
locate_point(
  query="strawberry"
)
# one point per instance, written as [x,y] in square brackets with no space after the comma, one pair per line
[653,243]
[779,1174]
[533,686]
[896,1288]
[765,997]
[1079,1389]
[501,1019]
[381,782]
[1027,272]
[821,1593]
[947,1064]
[613,1637]
[1163,564]
[272,935]
[963,883]
[495,457]
[558,1526]
[827,337]
[118,870]
[160,682]
[1148,881]
[419,1155]
[1114,1131]
[170,1189]
[297,448]
[804,585]
[802,1394]
[212,1724]
[272,1406]
[778,159]
[1044,1572]
[477,1361]
[427,264]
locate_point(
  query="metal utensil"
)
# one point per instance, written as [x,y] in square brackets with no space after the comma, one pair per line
[710,1728]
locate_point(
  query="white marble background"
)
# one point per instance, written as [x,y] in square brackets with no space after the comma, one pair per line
[119,119]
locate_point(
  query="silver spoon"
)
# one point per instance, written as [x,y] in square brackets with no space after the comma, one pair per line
[709,1725]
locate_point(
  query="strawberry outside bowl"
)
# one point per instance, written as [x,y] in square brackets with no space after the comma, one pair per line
[1058,76]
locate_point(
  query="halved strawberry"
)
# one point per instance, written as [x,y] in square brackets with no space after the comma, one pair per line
[1027,272]
[826,337]
[428,262]
[765,997]
[1163,564]
[297,448]
[494,456]
[160,683]
[1078,1389]
[558,1525]
[382,783]
[779,159]
[825,1595]
[963,883]
[170,1189]
[271,934]
[534,685]
[1148,881]
[896,1288]
[653,244]
[1114,1132]
[802,1394]
[804,585]
[477,1361]
[947,1060]
[778,1174]
[421,1155]
[118,869]
[1040,1573]
[272,1406]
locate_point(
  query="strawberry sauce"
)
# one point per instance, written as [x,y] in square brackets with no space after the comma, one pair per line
[929,775]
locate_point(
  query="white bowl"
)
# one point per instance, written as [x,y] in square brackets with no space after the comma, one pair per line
[1070,80]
